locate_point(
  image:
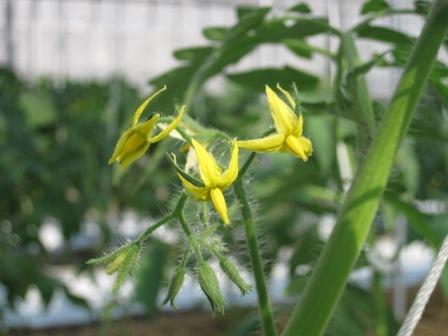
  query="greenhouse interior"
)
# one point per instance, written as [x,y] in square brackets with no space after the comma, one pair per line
[224,167]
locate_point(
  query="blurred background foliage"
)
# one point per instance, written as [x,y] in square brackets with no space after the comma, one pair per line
[55,139]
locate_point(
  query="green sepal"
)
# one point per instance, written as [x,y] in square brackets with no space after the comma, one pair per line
[181,172]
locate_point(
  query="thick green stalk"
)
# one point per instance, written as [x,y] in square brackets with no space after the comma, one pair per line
[327,283]
[257,266]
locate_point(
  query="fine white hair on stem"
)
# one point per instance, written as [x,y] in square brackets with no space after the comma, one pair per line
[415,313]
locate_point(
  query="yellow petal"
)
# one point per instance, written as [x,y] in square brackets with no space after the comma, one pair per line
[120,144]
[219,203]
[200,194]
[136,154]
[146,128]
[230,175]
[284,117]
[270,143]
[165,132]
[143,105]
[298,130]
[133,143]
[208,168]
[301,146]
[130,142]
[298,125]
[288,96]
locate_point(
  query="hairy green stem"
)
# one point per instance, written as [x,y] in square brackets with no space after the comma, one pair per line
[169,217]
[246,165]
[179,213]
[339,256]
[267,315]
[145,235]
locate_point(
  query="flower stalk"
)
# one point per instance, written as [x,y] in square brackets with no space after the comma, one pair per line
[264,304]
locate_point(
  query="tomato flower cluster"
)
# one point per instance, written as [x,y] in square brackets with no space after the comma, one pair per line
[204,179]
[288,137]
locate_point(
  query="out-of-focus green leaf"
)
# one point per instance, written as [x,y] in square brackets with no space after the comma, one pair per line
[422,7]
[305,27]
[442,90]
[439,70]
[321,131]
[444,281]
[177,81]
[307,249]
[38,107]
[373,6]
[377,60]
[215,33]
[192,54]
[80,301]
[258,78]
[384,34]
[418,221]
[301,8]
[149,278]
[301,48]
[242,11]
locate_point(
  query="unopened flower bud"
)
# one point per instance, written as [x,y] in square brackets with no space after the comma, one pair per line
[232,272]
[210,286]
[175,285]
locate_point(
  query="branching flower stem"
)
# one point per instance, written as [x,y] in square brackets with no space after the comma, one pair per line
[145,235]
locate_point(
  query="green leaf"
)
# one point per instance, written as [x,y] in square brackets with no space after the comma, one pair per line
[384,34]
[258,78]
[176,80]
[442,90]
[38,107]
[321,131]
[242,11]
[308,247]
[192,54]
[301,8]
[215,33]
[444,281]
[418,221]
[422,7]
[305,27]
[378,59]
[373,6]
[77,300]
[149,277]
[46,286]
[301,48]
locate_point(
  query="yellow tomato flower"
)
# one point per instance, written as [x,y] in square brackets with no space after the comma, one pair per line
[289,129]
[135,141]
[214,179]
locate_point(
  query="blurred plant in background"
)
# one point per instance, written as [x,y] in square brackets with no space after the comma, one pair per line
[55,142]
